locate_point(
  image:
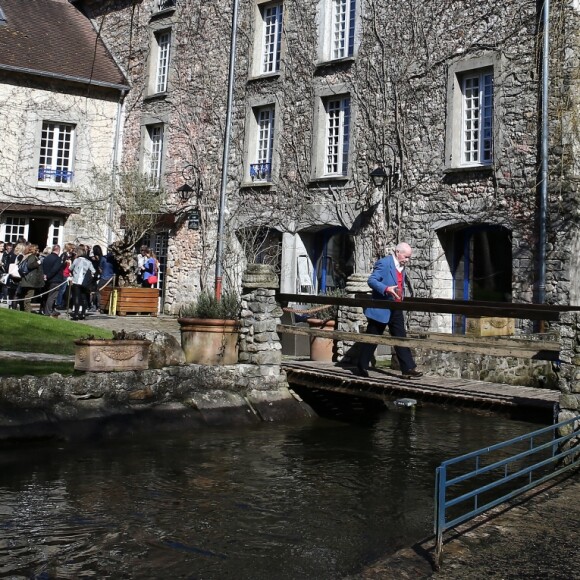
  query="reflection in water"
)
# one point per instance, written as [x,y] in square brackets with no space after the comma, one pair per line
[315,501]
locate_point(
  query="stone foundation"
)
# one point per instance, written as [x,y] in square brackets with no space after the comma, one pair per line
[509,371]
[103,404]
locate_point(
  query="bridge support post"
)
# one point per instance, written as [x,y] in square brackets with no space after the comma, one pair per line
[569,370]
[351,319]
[259,342]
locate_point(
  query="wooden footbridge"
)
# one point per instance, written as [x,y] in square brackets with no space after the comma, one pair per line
[382,384]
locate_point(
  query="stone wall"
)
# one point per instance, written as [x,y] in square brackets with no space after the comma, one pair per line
[260,345]
[98,404]
[400,79]
[23,108]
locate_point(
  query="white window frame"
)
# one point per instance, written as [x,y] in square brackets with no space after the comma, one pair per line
[162,58]
[12,227]
[56,155]
[153,153]
[477,119]
[473,133]
[337,135]
[264,151]
[338,22]
[268,35]
[55,233]
[163,5]
[272,22]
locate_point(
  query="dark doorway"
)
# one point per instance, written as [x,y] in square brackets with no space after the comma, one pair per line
[38,231]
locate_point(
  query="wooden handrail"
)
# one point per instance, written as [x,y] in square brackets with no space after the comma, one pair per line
[549,312]
[528,349]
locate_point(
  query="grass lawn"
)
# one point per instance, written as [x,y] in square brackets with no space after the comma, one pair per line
[19,368]
[26,332]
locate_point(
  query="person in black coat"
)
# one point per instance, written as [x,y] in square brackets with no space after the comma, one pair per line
[52,268]
[7,257]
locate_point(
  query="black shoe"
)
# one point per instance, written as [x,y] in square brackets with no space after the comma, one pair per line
[360,372]
[74,317]
[412,374]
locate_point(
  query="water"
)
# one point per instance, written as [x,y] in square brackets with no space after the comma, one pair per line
[310,501]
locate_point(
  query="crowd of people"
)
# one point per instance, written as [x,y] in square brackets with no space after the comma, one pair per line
[70,280]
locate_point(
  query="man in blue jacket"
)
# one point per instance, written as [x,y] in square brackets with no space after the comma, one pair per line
[387,281]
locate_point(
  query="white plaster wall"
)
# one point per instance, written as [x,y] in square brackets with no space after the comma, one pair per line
[442,285]
[22,111]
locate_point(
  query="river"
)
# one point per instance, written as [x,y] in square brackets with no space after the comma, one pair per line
[317,500]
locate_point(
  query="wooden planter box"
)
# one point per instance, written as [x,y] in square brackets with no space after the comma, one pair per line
[490,326]
[106,355]
[131,300]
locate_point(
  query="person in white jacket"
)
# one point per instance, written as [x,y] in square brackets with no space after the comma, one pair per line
[82,273]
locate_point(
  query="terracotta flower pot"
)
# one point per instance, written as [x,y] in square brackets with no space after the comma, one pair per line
[209,341]
[106,355]
[321,349]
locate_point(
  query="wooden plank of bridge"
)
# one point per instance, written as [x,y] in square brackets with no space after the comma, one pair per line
[528,349]
[382,383]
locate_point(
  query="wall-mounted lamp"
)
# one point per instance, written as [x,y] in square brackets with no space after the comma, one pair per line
[185,192]
[379,176]
[389,176]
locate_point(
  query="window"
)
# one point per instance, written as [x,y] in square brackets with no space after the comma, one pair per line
[56,154]
[14,228]
[261,168]
[477,123]
[337,136]
[154,154]
[471,138]
[338,26]
[343,18]
[163,40]
[161,5]
[272,38]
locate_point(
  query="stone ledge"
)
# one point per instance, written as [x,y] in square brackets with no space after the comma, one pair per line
[188,396]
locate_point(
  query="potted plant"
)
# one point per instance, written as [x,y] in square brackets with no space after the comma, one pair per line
[111,354]
[210,329]
[322,349]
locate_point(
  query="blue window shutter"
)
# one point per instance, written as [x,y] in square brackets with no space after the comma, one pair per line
[346,140]
[351,27]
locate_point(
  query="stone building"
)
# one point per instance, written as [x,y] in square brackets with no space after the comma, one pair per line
[442,98]
[60,95]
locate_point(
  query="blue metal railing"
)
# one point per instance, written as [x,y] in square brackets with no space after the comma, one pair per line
[516,471]
[261,171]
[54,175]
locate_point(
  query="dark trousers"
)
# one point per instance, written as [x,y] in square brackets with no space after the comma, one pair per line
[25,295]
[53,289]
[396,326]
[80,297]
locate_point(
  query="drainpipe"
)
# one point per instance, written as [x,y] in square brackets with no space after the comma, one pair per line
[226,154]
[543,201]
[116,149]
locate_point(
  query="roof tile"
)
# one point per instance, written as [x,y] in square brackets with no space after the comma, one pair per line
[53,37]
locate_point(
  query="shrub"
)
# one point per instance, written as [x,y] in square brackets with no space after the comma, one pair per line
[331,312]
[208,306]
